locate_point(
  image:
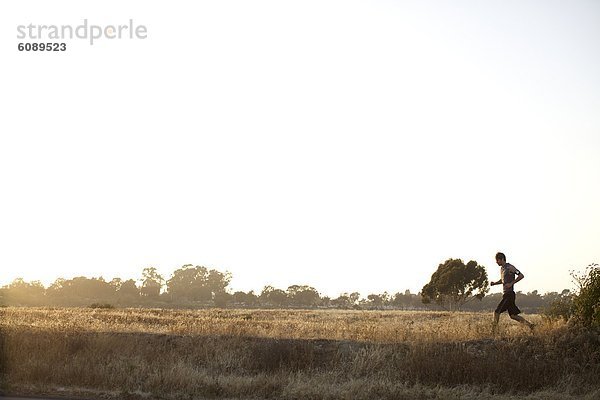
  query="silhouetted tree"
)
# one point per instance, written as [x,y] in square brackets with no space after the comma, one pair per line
[532,300]
[273,297]
[55,292]
[248,299]
[325,302]
[116,283]
[197,283]
[24,293]
[218,281]
[128,291]
[346,300]
[455,283]
[303,295]
[80,291]
[189,283]
[406,300]
[222,299]
[378,300]
[152,282]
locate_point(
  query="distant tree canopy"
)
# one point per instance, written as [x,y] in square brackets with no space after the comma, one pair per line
[379,300]
[249,298]
[127,291]
[26,293]
[303,295]
[346,300]
[152,282]
[198,286]
[197,283]
[274,297]
[80,289]
[454,283]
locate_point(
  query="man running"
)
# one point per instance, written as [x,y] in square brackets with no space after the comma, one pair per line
[507,274]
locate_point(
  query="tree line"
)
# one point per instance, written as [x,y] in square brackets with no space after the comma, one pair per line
[198,287]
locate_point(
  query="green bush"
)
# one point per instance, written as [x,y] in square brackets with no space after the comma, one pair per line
[586,304]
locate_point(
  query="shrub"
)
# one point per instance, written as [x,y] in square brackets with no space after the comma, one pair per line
[586,304]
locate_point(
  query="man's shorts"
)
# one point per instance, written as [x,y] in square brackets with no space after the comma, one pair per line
[508,304]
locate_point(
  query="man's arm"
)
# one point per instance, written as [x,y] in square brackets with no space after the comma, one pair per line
[519,276]
[496,282]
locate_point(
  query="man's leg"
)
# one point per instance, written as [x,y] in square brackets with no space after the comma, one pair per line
[513,312]
[496,319]
[499,310]
[522,320]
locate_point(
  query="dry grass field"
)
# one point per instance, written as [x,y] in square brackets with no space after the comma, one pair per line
[291,354]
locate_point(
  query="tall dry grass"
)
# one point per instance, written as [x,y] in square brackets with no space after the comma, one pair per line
[174,354]
[362,326]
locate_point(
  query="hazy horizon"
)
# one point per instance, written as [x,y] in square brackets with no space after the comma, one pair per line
[348,145]
[233,288]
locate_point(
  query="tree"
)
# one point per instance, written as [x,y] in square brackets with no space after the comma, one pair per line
[21,292]
[56,292]
[532,300]
[152,282]
[303,295]
[189,283]
[128,291]
[378,300]
[274,297]
[218,281]
[354,297]
[81,290]
[405,300]
[455,283]
[116,283]
[223,298]
[248,299]
[342,301]
[325,302]
[346,300]
[197,283]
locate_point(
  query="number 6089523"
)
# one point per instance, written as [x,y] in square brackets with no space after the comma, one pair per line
[42,46]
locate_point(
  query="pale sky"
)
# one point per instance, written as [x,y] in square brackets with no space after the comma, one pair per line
[348,145]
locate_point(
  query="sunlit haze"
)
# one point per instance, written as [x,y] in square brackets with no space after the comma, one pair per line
[347,145]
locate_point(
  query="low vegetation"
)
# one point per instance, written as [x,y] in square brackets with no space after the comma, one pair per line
[586,303]
[292,354]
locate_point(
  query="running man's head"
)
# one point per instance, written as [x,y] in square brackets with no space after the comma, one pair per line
[500,259]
